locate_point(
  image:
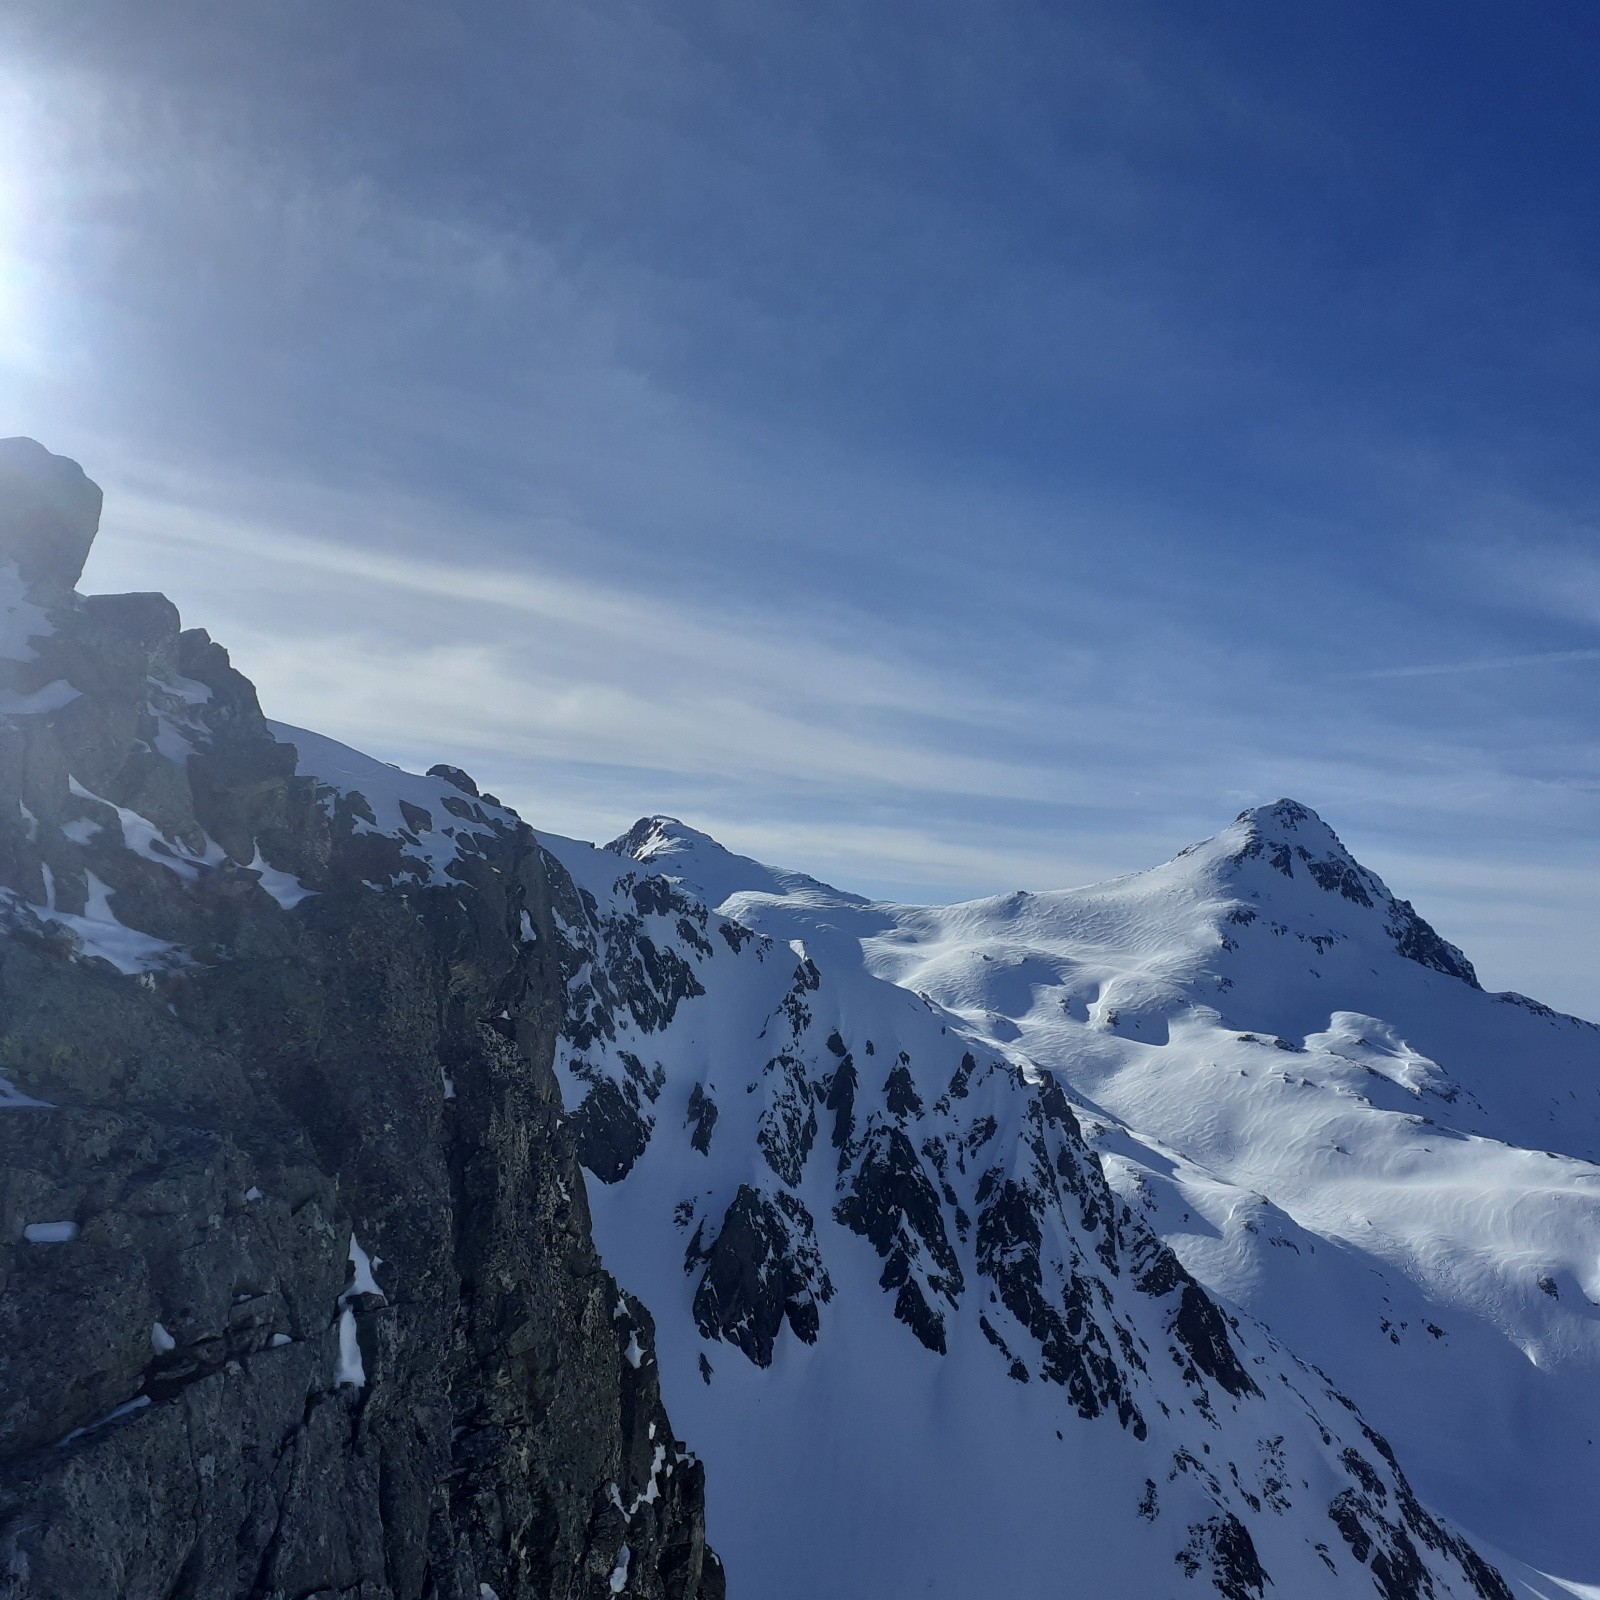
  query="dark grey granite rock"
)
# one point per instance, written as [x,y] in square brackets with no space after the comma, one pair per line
[298,1295]
[49,513]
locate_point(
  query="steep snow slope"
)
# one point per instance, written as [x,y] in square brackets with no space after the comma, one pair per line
[1304,1091]
[921,1343]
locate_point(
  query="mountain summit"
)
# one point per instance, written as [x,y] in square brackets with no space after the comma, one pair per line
[1301,1088]
[1292,839]
[709,869]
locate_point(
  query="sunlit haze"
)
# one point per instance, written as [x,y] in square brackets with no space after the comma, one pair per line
[943,448]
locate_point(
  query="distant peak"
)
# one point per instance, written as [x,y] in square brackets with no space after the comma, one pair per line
[1287,831]
[1293,840]
[1285,816]
[652,836]
[1287,835]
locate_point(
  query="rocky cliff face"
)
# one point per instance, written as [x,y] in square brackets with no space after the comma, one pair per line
[298,1295]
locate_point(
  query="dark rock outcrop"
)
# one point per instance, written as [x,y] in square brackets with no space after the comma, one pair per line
[762,1267]
[298,1295]
[893,1203]
[49,514]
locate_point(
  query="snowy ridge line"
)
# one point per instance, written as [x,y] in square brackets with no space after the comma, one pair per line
[797,1152]
[1004,1198]
[1334,1130]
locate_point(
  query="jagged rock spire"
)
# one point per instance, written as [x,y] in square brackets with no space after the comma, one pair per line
[49,514]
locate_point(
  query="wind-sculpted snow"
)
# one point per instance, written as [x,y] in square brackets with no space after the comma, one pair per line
[1294,1081]
[901,1301]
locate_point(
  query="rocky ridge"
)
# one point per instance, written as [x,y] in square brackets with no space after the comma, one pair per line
[298,1294]
[302,1297]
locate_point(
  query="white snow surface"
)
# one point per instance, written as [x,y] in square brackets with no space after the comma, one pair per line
[1380,1170]
[13,1099]
[619,1573]
[348,1368]
[101,934]
[439,812]
[21,619]
[284,887]
[1392,1169]
[361,1278]
[52,697]
[115,1414]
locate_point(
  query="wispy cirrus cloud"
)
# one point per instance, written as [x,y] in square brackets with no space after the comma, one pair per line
[951,453]
[1538,658]
[403,647]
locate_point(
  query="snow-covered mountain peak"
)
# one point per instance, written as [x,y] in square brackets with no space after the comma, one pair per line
[1284,815]
[711,871]
[1266,845]
[1289,825]
[840,1162]
[651,837]
[1284,862]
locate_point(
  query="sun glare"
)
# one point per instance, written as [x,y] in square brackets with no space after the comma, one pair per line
[18,274]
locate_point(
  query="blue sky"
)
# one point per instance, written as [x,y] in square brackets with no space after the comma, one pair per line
[947,447]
